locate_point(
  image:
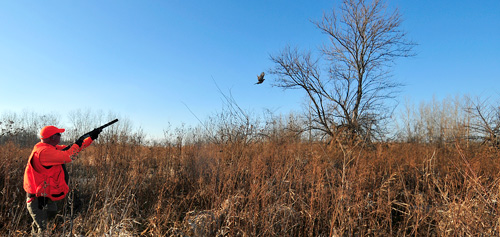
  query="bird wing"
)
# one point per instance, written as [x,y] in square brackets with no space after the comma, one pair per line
[260,78]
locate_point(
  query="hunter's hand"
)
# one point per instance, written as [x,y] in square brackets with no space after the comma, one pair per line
[79,141]
[95,134]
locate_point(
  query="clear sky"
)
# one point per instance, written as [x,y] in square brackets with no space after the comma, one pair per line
[153,61]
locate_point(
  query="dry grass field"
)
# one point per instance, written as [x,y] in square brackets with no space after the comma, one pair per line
[266,187]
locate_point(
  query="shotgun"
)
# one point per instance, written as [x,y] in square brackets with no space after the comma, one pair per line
[99,129]
[95,129]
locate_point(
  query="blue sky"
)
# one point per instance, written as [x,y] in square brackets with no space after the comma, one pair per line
[154,61]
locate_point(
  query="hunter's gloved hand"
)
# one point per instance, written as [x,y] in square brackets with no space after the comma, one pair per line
[95,134]
[79,141]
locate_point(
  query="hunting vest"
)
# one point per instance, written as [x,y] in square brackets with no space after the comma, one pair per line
[44,181]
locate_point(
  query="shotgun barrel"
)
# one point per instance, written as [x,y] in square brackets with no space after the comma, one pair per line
[99,128]
[88,134]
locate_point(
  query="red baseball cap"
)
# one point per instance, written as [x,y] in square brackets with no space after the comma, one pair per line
[48,131]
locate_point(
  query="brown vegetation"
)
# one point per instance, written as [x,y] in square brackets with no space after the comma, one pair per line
[236,176]
[267,187]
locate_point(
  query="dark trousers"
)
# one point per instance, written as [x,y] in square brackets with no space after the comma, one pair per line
[41,210]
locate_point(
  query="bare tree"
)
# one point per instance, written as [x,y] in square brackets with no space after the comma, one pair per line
[486,121]
[364,42]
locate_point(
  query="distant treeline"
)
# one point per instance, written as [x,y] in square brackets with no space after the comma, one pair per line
[451,119]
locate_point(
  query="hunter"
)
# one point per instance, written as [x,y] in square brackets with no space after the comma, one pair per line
[45,177]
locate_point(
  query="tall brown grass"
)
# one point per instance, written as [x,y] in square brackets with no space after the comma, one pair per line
[266,187]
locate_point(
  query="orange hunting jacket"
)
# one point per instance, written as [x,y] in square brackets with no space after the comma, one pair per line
[44,175]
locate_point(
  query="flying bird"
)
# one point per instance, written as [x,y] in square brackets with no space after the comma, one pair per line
[260,78]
